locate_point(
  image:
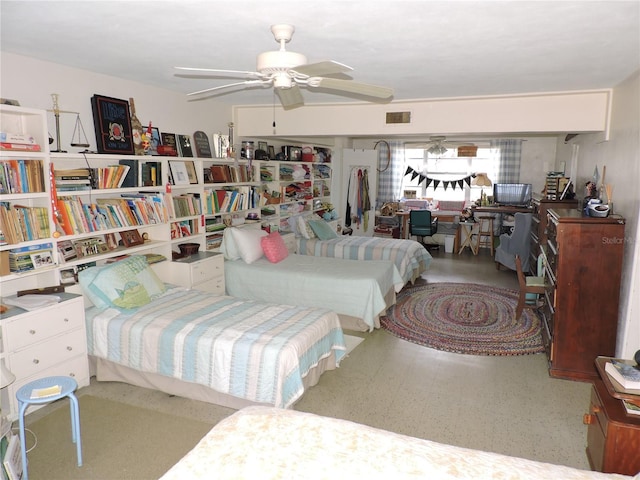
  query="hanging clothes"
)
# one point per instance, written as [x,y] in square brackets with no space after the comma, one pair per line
[358,199]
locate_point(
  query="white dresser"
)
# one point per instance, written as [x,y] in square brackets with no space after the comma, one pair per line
[201,271]
[41,343]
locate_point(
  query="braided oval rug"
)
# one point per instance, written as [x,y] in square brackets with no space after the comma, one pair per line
[464,318]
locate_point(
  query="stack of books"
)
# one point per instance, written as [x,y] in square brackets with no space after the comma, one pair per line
[18,142]
[28,258]
[73,179]
[626,379]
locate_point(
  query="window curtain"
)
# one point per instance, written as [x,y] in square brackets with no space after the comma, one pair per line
[510,153]
[389,180]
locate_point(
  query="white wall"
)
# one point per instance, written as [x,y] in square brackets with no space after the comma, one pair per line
[32,82]
[620,154]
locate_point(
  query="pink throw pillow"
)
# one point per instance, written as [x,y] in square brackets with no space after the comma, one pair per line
[274,247]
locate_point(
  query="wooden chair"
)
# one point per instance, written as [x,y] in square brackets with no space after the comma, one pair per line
[528,285]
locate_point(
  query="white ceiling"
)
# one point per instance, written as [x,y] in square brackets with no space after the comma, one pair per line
[422,49]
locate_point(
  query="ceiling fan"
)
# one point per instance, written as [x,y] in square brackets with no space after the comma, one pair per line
[287,71]
[435,145]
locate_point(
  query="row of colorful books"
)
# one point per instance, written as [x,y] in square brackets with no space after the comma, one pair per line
[76,217]
[20,223]
[230,199]
[228,174]
[186,205]
[21,176]
[112,176]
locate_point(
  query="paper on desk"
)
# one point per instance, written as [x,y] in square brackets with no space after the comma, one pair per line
[32,302]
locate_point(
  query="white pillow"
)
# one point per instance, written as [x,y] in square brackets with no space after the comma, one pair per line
[228,246]
[247,242]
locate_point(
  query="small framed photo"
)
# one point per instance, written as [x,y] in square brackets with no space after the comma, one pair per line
[184,145]
[131,238]
[112,241]
[272,152]
[155,140]
[179,173]
[191,171]
[69,276]
[42,259]
[263,146]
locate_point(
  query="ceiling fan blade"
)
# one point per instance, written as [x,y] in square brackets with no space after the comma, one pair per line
[290,97]
[246,82]
[352,87]
[223,72]
[321,69]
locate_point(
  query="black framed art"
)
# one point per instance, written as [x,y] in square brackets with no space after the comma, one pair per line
[112,123]
[184,145]
[201,141]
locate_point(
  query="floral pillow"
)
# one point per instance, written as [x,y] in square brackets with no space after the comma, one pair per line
[274,247]
[304,229]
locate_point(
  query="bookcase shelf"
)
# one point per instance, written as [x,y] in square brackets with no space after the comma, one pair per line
[148,176]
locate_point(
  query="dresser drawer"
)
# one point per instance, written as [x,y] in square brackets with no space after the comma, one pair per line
[37,358]
[214,286]
[39,325]
[207,270]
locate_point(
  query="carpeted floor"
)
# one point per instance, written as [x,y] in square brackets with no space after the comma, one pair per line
[464,318]
[115,439]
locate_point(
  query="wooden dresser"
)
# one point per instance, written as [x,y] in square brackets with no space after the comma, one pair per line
[540,206]
[583,268]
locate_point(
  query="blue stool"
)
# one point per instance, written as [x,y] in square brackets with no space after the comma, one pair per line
[67,386]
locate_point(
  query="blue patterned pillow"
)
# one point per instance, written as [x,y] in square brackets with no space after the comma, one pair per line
[127,284]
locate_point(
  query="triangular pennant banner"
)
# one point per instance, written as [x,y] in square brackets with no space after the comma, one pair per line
[468,180]
[435,184]
[414,174]
[422,178]
[461,183]
[409,170]
[428,182]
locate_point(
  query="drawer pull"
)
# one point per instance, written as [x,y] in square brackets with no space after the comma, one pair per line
[66,319]
[588,419]
[69,348]
[72,374]
[596,408]
[32,332]
[36,361]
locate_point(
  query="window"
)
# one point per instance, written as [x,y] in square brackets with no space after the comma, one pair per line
[448,166]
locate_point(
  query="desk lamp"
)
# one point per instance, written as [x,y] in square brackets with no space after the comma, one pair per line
[482,180]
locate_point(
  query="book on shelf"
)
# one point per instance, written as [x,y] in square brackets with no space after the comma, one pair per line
[628,376]
[20,147]
[23,138]
[21,176]
[631,408]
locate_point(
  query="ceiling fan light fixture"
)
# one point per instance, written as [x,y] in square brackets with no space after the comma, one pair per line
[278,61]
[437,150]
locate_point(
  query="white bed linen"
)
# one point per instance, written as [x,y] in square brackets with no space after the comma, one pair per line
[347,287]
[266,443]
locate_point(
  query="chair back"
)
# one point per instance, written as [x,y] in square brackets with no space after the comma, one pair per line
[420,223]
[521,280]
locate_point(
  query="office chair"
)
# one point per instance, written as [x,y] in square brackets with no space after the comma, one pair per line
[421,224]
[530,288]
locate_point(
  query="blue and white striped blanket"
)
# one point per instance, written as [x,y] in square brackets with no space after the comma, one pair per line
[257,351]
[409,256]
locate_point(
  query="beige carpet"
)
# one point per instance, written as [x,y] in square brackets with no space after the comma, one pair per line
[119,442]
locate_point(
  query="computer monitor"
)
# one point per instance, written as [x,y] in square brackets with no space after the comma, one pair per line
[512,194]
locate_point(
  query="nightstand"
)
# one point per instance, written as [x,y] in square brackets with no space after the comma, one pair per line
[613,436]
[201,271]
[45,342]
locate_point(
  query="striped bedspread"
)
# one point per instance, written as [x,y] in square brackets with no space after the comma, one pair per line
[410,257]
[252,350]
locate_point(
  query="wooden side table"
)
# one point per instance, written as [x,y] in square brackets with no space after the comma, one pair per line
[613,436]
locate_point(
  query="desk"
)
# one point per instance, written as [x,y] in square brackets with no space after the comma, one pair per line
[502,209]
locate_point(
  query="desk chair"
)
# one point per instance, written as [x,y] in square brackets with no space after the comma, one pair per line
[421,224]
[530,288]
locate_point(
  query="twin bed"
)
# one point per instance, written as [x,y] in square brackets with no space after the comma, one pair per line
[219,349]
[268,443]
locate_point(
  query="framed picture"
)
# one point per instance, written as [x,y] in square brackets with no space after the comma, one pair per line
[155,140]
[179,173]
[112,242]
[220,145]
[112,123]
[272,152]
[191,171]
[184,146]
[131,238]
[169,144]
[201,141]
[68,276]
[90,246]
[263,146]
